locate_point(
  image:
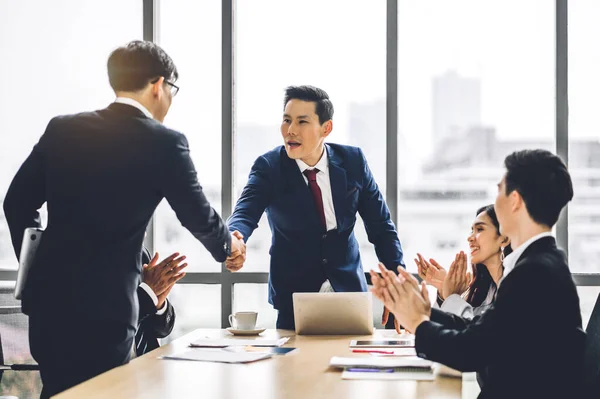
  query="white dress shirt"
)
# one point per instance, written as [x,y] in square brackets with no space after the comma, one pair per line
[154,298]
[511,260]
[457,305]
[133,103]
[325,185]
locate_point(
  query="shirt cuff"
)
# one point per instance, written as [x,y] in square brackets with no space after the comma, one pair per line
[162,310]
[150,293]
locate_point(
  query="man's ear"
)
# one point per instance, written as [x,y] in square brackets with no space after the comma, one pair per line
[328,127]
[516,200]
[156,87]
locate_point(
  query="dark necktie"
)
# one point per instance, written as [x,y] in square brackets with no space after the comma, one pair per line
[311,175]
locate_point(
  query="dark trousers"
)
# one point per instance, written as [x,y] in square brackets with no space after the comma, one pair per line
[69,354]
[285,320]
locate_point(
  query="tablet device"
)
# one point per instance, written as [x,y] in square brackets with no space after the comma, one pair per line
[383,343]
[31,241]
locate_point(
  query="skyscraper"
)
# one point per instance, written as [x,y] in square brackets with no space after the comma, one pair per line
[456,105]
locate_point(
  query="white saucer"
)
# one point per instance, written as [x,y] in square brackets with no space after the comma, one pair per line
[245,332]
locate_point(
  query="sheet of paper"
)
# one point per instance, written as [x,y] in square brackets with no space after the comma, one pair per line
[415,375]
[220,356]
[223,342]
[380,362]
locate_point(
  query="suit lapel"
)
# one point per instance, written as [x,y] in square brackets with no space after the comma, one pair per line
[297,186]
[337,178]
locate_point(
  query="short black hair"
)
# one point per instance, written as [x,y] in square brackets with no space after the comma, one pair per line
[542,179]
[323,105]
[133,66]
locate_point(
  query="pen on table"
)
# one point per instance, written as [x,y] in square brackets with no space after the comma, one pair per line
[372,351]
[363,370]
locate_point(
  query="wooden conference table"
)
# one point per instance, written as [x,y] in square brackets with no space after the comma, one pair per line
[301,374]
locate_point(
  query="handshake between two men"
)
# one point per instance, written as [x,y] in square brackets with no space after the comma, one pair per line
[238,252]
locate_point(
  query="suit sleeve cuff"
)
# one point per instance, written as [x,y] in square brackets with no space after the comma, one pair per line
[150,293]
[425,339]
[162,310]
[228,245]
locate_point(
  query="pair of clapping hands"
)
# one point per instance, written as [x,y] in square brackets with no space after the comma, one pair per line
[454,281]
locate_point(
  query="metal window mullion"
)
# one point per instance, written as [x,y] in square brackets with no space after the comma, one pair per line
[562,108]
[391,129]
[227,137]
[150,33]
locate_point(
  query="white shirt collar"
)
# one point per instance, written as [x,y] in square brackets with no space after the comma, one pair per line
[322,165]
[133,103]
[511,260]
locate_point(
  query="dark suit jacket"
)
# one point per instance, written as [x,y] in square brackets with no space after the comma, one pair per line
[529,344]
[151,326]
[102,174]
[303,255]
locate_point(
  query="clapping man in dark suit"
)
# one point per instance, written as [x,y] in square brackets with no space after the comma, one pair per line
[102,175]
[312,192]
[515,346]
[157,314]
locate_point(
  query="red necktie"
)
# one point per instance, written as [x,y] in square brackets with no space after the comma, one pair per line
[311,175]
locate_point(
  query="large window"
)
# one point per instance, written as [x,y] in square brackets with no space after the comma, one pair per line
[476,81]
[47,70]
[470,91]
[53,62]
[190,33]
[278,45]
[584,136]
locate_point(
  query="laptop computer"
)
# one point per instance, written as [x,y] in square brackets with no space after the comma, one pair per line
[333,313]
[31,241]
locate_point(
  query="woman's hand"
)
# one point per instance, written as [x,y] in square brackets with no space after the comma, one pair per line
[431,272]
[458,279]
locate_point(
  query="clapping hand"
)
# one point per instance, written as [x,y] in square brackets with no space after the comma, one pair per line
[162,277]
[431,272]
[402,294]
[458,279]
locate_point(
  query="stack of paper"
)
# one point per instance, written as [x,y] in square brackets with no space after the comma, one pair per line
[384,368]
[220,356]
[224,342]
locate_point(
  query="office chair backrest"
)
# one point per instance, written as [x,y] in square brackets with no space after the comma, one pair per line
[14,347]
[592,353]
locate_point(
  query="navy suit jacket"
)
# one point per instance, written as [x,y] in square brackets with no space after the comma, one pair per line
[303,255]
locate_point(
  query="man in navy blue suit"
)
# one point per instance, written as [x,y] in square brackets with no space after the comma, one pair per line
[311,192]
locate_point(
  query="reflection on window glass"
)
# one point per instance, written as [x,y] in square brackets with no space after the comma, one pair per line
[465,102]
[584,136]
[190,33]
[52,72]
[346,61]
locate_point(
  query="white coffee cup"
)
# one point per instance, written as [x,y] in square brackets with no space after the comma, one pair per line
[243,320]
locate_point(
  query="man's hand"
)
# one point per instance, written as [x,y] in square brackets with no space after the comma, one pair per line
[458,280]
[238,252]
[401,294]
[431,272]
[162,276]
[386,316]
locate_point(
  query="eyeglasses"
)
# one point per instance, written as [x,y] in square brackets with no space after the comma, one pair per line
[174,87]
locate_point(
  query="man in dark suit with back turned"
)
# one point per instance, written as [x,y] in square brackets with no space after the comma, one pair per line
[312,192]
[529,344]
[102,174]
